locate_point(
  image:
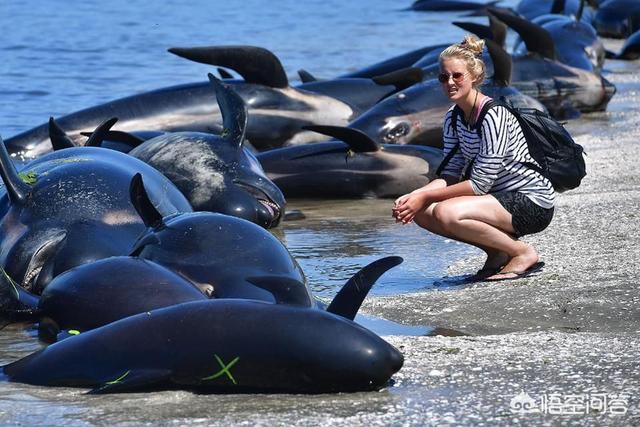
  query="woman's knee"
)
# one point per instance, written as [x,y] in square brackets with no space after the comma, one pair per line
[446,216]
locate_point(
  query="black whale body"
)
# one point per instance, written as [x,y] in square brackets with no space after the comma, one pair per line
[277,111]
[95,294]
[71,207]
[217,173]
[356,168]
[217,346]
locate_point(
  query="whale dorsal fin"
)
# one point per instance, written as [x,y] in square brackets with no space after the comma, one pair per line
[349,299]
[119,136]
[224,74]
[17,189]
[98,135]
[254,64]
[143,205]
[580,11]
[501,63]
[535,38]
[496,30]
[59,139]
[482,31]
[357,140]
[306,77]
[234,112]
[401,79]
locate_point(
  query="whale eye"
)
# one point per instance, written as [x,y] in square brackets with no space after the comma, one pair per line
[397,132]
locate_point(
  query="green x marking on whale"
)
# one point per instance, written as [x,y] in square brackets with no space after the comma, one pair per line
[118,380]
[224,369]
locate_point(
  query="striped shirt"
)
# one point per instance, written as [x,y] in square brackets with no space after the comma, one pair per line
[497,157]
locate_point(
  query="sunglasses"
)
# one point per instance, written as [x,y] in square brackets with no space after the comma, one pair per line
[457,77]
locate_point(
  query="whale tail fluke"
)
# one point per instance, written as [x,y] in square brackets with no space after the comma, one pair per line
[349,299]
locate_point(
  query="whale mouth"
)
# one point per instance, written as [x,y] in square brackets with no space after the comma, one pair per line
[271,207]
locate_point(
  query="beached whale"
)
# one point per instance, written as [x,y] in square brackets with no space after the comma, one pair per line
[575,42]
[217,173]
[224,345]
[277,111]
[414,115]
[353,167]
[617,18]
[94,294]
[630,50]
[71,207]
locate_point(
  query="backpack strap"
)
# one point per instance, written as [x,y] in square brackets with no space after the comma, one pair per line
[454,123]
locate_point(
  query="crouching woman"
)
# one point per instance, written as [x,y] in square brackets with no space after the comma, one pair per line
[486,196]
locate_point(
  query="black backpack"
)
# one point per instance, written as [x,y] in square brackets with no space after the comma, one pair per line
[560,158]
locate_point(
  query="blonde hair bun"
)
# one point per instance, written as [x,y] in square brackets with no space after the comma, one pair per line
[473,44]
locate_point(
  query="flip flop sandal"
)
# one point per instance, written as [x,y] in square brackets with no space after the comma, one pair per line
[518,274]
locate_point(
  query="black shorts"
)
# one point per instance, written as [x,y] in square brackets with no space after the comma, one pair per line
[526,216]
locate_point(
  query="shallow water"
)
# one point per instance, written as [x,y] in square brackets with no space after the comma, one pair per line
[58,57]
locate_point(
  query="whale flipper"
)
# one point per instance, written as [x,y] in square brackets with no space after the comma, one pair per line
[349,299]
[59,138]
[40,268]
[134,379]
[357,140]
[254,64]
[285,290]
[234,112]
[98,135]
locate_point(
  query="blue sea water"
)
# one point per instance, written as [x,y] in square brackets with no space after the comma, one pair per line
[62,56]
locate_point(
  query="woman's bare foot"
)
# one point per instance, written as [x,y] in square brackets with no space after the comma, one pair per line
[518,264]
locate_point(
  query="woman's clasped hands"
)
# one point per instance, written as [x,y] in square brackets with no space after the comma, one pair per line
[407,206]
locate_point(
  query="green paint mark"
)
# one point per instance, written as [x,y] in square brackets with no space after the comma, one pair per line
[118,380]
[11,282]
[225,133]
[224,370]
[73,332]
[28,177]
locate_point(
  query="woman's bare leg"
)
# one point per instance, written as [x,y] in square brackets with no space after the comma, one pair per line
[482,222]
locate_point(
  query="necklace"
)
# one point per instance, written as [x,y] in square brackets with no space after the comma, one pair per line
[473,110]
